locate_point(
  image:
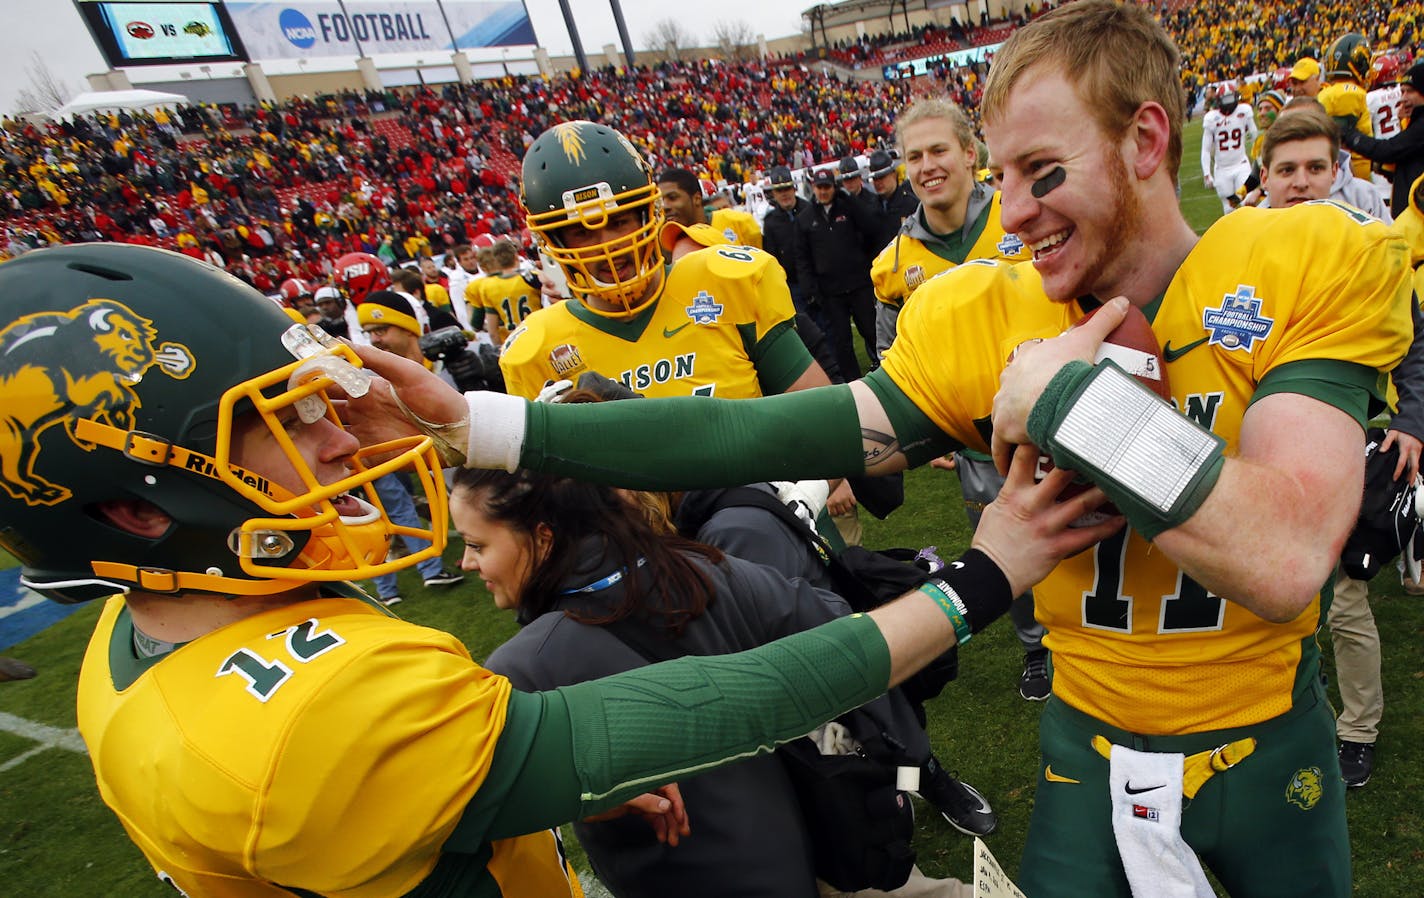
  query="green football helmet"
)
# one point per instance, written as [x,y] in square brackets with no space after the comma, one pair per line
[130,373]
[577,176]
[1349,57]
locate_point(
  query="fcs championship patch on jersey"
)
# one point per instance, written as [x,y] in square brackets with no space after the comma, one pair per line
[59,368]
[1010,246]
[1237,323]
[704,309]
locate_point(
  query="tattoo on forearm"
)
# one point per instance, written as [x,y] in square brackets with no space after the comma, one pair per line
[879,448]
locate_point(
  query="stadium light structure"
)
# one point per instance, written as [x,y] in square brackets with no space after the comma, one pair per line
[573,35]
[622,31]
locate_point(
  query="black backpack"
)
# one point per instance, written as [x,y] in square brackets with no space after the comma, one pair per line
[1388,523]
[865,578]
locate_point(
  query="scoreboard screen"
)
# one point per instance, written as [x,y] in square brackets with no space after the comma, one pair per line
[161,33]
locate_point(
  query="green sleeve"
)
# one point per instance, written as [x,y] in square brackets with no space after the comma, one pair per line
[531,784]
[920,439]
[780,358]
[695,442]
[1354,389]
[665,722]
[582,749]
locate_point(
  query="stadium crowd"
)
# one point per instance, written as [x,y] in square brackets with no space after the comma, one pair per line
[290,191]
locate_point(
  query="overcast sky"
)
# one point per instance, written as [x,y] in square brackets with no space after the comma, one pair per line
[54,29]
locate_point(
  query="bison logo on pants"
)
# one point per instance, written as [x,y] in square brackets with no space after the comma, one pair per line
[57,367]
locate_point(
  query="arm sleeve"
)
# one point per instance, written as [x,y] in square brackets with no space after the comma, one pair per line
[701,442]
[780,357]
[664,722]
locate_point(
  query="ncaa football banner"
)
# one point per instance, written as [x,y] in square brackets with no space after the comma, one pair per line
[300,28]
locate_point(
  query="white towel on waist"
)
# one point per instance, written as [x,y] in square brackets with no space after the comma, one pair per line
[1147,823]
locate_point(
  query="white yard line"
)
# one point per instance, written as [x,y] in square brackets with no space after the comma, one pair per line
[46,736]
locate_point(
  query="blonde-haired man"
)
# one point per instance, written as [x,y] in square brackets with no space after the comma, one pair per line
[957,221]
[1184,654]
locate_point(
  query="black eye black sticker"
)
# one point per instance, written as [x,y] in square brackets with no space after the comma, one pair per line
[1049,182]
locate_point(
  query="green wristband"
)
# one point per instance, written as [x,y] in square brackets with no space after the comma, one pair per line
[953,607]
[972,592]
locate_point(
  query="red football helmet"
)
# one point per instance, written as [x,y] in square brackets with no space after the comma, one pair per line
[1388,68]
[709,189]
[359,274]
[482,241]
[293,289]
[1281,79]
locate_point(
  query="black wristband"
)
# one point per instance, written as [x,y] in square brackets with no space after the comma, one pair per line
[981,586]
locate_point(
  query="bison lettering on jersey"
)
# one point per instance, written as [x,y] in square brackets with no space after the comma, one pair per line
[660,372]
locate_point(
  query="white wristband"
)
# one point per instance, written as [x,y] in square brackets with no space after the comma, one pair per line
[497,423]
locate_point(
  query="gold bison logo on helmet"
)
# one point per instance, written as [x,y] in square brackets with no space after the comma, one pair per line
[1305,788]
[61,367]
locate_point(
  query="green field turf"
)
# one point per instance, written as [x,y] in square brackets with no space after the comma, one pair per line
[57,839]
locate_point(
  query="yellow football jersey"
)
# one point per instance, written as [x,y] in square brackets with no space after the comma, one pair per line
[738,227]
[908,261]
[1135,642]
[698,338]
[437,295]
[506,296]
[324,745]
[1348,99]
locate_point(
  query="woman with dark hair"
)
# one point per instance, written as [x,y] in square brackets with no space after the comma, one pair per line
[597,590]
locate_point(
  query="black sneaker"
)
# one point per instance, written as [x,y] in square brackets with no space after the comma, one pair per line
[1034,684]
[446,577]
[1357,760]
[388,601]
[957,801]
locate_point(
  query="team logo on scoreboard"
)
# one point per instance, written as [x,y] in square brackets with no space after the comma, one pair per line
[139,30]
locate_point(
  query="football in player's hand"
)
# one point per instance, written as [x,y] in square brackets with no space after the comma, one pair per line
[1132,346]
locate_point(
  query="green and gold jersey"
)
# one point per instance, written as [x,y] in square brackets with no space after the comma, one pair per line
[913,258]
[506,296]
[740,228]
[1136,642]
[722,326]
[1348,100]
[325,746]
